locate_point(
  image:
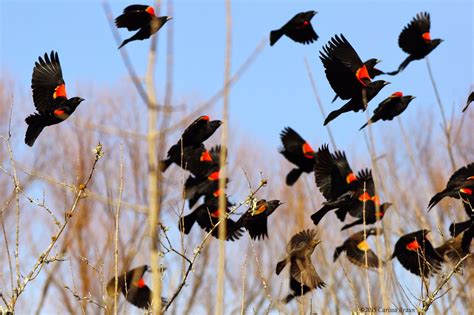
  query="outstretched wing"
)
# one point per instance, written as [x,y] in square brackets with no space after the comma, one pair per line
[411,38]
[47,83]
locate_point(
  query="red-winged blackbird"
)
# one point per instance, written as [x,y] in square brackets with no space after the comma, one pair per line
[470,99]
[133,287]
[415,40]
[193,136]
[49,97]
[254,220]
[357,248]
[200,161]
[338,184]
[373,72]
[457,247]
[358,102]
[460,184]
[206,180]
[207,216]
[299,29]
[371,214]
[344,69]
[297,151]
[390,107]
[416,254]
[142,18]
[303,275]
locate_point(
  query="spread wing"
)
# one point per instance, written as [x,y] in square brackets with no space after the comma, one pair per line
[410,39]
[47,83]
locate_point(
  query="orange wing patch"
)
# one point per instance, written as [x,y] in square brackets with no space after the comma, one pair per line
[350,178]
[141,283]
[466,191]
[308,151]
[60,91]
[364,246]
[260,209]
[214,176]
[365,197]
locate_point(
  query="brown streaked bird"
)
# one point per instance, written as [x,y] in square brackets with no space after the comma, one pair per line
[133,287]
[470,99]
[299,29]
[254,220]
[416,254]
[303,275]
[457,247]
[460,185]
[357,249]
[142,18]
[297,151]
[201,129]
[49,97]
[415,40]
[390,107]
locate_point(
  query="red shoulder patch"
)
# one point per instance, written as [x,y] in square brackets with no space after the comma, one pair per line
[396,94]
[427,37]
[413,246]
[150,10]
[361,74]
[60,91]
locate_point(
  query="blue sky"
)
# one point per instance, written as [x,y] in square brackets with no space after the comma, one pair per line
[276,91]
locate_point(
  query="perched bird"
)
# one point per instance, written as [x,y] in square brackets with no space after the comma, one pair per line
[390,107]
[142,18]
[303,275]
[49,97]
[254,220]
[470,99]
[193,136]
[416,254]
[415,40]
[460,184]
[358,102]
[297,151]
[133,287]
[358,250]
[207,216]
[299,29]
[457,247]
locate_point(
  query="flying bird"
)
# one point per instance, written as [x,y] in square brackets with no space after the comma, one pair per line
[142,18]
[358,250]
[415,40]
[297,151]
[133,287]
[193,136]
[303,275]
[470,99]
[49,97]
[299,29]
[207,216]
[416,254]
[390,107]
[460,185]
[254,220]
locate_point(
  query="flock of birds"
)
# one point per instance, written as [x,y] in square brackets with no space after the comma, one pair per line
[346,192]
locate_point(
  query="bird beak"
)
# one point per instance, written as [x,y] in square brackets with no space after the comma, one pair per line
[82,99]
[412,97]
[169,18]
[378,61]
[386,83]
